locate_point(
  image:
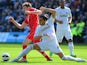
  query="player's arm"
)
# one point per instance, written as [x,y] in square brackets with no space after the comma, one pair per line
[70,17]
[20,26]
[40,36]
[38,12]
[58,21]
[52,11]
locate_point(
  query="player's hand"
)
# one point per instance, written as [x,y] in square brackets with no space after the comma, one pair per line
[60,22]
[11,19]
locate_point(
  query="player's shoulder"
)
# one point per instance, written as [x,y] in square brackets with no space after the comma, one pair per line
[67,8]
[57,8]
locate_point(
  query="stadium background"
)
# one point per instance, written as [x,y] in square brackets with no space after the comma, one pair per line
[9,33]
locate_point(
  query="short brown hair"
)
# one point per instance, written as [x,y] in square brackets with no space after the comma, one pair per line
[27,4]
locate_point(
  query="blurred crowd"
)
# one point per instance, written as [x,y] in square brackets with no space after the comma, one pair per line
[14,8]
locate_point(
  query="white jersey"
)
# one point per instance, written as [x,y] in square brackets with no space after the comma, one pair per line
[62,15]
[50,29]
[48,42]
[63,29]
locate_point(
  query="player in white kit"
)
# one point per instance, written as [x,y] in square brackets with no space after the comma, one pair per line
[46,32]
[63,19]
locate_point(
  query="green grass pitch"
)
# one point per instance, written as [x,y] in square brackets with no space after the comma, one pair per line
[35,58]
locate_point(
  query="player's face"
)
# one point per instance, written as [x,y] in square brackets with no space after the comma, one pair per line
[62,4]
[41,21]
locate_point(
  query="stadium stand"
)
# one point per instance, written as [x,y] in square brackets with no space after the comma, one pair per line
[14,8]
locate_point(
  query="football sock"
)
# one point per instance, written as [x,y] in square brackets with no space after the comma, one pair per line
[68,58]
[71,47]
[45,55]
[73,59]
[25,51]
[24,46]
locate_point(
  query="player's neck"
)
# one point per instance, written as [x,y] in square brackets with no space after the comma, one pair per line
[62,7]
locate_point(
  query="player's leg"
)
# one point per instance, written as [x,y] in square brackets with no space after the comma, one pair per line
[70,58]
[43,52]
[27,41]
[39,47]
[60,53]
[59,35]
[69,38]
[24,52]
[45,55]
[25,44]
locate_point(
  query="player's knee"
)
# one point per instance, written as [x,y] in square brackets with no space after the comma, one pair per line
[70,40]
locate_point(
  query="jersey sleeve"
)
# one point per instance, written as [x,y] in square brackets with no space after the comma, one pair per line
[69,14]
[51,20]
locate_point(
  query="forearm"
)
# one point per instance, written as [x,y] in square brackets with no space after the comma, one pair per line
[52,11]
[38,12]
[17,25]
[70,19]
[49,10]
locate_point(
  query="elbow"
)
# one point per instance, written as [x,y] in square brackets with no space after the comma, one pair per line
[39,12]
[20,27]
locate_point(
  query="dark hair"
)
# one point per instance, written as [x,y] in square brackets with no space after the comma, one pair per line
[61,1]
[44,17]
[27,4]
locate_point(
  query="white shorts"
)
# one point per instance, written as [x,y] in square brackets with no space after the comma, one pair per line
[60,33]
[53,46]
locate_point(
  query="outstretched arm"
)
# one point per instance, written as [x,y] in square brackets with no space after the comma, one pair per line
[52,11]
[38,12]
[20,26]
